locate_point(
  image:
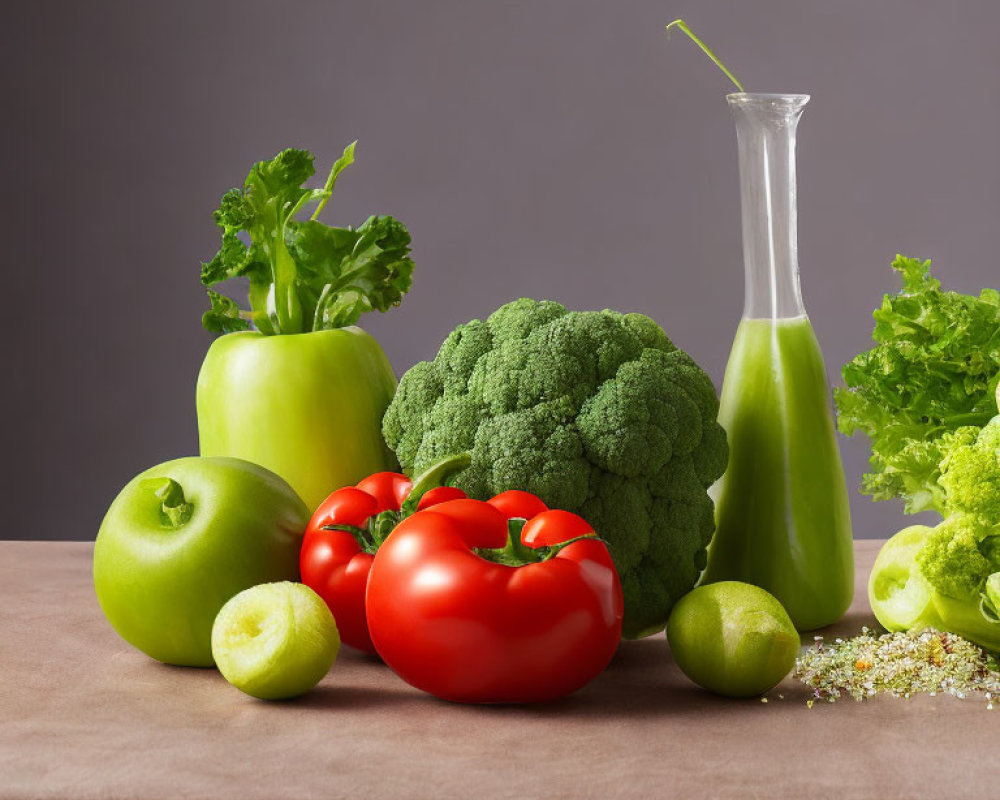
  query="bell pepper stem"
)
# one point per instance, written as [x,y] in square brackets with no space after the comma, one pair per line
[433,477]
[371,535]
[380,526]
[361,535]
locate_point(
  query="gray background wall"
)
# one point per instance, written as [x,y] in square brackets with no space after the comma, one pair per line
[550,148]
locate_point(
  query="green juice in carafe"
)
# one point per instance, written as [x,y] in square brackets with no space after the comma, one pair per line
[782,514]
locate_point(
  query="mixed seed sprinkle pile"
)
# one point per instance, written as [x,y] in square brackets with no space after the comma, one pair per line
[900,664]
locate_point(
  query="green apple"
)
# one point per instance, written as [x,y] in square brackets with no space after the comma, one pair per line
[275,641]
[181,539]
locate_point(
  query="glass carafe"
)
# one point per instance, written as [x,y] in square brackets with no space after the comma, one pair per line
[783,520]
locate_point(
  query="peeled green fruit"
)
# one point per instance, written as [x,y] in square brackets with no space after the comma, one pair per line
[732,638]
[275,641]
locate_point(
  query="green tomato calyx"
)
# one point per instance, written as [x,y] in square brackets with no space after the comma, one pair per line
[517,554]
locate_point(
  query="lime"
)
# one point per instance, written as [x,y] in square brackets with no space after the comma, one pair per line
[275,640]
[732,638]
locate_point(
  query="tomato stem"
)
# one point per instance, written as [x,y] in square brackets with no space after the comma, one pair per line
[517,554]
[514,553]
[515,547]
[553,550]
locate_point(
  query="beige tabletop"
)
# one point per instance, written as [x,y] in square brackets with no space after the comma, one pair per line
[82,715]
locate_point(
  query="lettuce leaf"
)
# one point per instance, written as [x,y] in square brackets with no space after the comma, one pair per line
[933,370]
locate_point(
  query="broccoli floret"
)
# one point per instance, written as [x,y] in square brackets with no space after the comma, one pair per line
[970,471]
[595,412]
[958,555]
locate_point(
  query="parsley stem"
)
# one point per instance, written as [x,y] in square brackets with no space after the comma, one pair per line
[338,166]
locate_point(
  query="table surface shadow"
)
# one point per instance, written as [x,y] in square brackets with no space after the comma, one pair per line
[83,715]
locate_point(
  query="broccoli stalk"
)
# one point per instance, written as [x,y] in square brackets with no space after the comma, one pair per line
[596,413]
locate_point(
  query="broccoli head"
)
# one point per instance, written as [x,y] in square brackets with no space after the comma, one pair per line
[958,555]
[595,412]
[970,471]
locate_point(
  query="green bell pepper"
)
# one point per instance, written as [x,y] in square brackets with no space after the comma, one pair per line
[302,395]
[308,407]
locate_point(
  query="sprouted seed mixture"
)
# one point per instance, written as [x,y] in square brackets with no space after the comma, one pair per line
[900,664]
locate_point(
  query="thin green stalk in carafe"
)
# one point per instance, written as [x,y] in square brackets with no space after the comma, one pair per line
[682,26]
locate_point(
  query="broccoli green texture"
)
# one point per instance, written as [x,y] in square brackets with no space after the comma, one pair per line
[597,413]
[970,471]
[959,555]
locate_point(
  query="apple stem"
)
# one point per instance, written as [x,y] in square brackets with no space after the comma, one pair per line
[174,509]
[682,25]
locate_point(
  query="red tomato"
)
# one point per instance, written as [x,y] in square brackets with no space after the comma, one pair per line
[335,563]
[454,623]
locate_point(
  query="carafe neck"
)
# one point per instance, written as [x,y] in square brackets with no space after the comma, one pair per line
[765,131]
